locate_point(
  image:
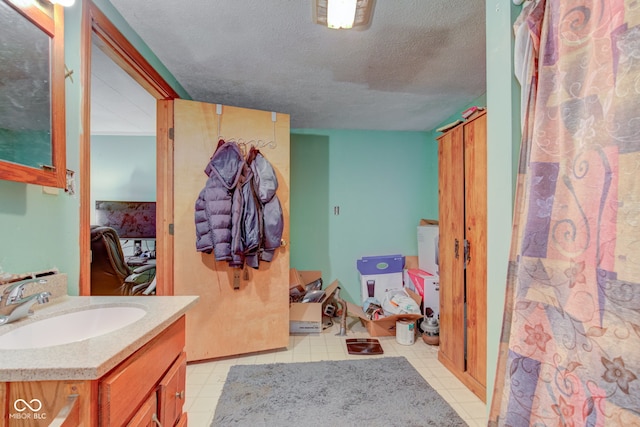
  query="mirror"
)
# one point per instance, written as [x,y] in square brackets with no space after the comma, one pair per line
[32,113]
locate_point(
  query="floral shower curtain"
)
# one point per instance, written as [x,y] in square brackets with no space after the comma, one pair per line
[570,346]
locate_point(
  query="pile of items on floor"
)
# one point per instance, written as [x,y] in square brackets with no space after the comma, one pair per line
[394,300]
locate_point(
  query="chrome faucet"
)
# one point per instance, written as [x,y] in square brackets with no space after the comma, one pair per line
[14,305]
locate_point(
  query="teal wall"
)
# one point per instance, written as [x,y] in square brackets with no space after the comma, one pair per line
[480,101]
[309,193]
[40,231]
[123,26]
[123,168]
[383,183]
[503,130]
[503,144]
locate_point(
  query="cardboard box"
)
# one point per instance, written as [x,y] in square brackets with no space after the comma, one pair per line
[428,234]
[430,286]
[387,325]
[379,275]
[305,318]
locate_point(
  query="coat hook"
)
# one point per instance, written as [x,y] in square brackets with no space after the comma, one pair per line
[68,73]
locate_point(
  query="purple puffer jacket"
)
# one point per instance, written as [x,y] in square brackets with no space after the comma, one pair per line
[270,217]
[217,216]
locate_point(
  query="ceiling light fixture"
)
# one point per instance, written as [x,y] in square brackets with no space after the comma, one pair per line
[343,14]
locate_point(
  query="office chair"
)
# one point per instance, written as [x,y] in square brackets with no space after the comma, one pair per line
[110,274]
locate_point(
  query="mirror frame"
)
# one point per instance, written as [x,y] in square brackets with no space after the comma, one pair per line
[55,174]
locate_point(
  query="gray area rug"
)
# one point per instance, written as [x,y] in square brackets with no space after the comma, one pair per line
[365,392]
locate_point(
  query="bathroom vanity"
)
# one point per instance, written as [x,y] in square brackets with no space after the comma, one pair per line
[134,375]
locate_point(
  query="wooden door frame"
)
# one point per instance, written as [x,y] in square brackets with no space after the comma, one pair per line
[123,53]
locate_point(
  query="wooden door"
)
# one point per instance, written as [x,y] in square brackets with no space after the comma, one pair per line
[451,248]
[227,321]
[475,152]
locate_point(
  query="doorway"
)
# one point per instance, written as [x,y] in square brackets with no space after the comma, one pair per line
[123,180]
[99,34]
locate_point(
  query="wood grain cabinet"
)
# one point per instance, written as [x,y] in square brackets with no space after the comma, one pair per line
[146,389]
[171,392]
[147,415]
[462,194]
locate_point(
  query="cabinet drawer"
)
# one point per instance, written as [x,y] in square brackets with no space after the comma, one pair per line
[144,416]
[171,392]
[123,390]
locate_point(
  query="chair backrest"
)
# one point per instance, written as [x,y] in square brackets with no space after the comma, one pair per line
[108,267]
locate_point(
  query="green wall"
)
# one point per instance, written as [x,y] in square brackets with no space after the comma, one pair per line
[503,124]
[309,191]
[480,101]
[40,231]
[503,144]
[383,184]
[123,168]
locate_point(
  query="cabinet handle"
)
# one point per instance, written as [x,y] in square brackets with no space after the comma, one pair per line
[456,249]
[467,253]
[155,419]
[69,415]
[180,394]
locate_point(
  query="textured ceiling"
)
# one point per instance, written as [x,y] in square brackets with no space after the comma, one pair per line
[419,62]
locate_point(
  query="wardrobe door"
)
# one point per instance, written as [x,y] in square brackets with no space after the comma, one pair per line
[227,321]
[451,248]
[475,161]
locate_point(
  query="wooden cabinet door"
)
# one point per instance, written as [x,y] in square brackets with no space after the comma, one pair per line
[123,389]
[44,403]
[451,247]
[171,392]
[227,321]
[146,415]
[183,421]
[475,152]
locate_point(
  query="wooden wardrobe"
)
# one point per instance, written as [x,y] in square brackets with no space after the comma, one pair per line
[462,193]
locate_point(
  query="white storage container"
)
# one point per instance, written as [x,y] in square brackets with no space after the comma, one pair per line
[428,248]
[379,275]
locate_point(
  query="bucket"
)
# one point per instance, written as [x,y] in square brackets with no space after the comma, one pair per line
[405,332]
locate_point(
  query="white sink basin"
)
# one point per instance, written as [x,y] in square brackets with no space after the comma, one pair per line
[70,327]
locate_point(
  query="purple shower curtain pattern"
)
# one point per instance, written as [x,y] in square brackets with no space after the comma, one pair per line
[570,345]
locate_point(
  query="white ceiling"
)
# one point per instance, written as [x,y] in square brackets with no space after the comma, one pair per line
[119,105]
[419,62]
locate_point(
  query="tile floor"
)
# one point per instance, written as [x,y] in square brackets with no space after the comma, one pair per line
[205,380]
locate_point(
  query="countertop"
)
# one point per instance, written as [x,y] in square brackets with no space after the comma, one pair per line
[92,358]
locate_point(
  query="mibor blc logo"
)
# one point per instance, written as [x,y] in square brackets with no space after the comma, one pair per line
[26,410]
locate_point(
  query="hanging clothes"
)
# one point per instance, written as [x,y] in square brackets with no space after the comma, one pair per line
[269,210]
[248,240]
[238,215]
[216,209]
